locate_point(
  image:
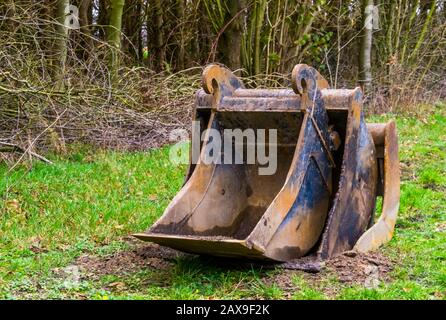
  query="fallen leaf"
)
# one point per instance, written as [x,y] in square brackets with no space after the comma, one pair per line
[13,205]
[117,285]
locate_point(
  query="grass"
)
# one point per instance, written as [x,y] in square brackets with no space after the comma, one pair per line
[89,201]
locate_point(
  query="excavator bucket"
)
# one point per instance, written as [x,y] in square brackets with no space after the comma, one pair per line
[317,196]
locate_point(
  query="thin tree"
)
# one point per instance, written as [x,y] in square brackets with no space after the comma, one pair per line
[85,17]
[114,35]
[259,9]
[365,53]
[230,46]
[159,47]
[131,27]
[431,8]
[60,45]
[180,7]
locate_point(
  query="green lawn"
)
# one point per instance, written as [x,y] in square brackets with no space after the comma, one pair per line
[86,205]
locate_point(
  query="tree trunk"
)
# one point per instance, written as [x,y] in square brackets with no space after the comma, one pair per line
[158,21]
[425,28]
[201,46]
[45,11]
[103,11]
[131,27]
[85,22]
[114,35]
[408,33]
[444,12]
[260,7]
[231,39]
[365,54]
[180,7]
[60,45]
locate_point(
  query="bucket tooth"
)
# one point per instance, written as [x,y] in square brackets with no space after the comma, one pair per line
[316,194]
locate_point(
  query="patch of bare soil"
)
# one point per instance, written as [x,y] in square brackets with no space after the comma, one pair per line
[350,268]
[366,269]
[284,281]
[141,256]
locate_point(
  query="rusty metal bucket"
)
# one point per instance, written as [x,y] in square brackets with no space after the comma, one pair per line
[330,168]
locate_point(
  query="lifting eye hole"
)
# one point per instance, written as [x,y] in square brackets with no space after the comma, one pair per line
[303,84]
[214,85]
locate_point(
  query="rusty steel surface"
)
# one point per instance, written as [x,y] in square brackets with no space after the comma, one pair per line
[384,136]
[331,166]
